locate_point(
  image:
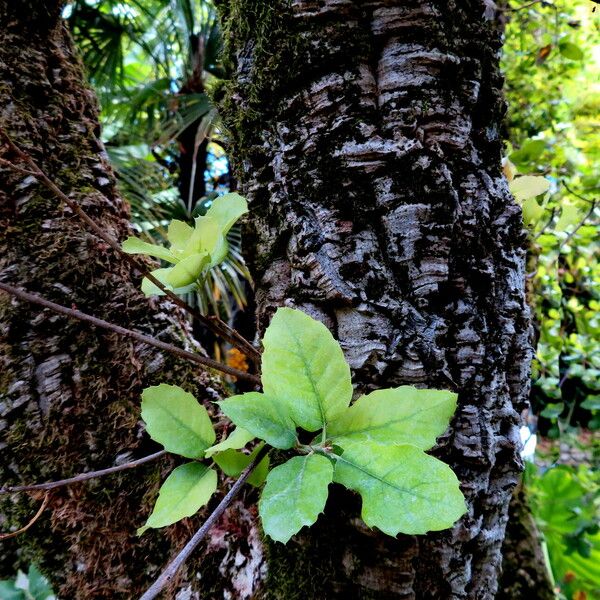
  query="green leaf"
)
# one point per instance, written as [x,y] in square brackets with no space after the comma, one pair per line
[133,245]
[38,585]
[187,271]
[563,500]
[294,495]
[529,151]
[553,410]
[175,419]
[403,489]
[207,237]
[263,417]
[8,591]
[570,51]
[227,209]
[532,211]
[403,415]
[149,289]
[179,234]
[184,492]
[237,439]
[591,403]
[304,367]
[528,186]
[569,216]
[232,463]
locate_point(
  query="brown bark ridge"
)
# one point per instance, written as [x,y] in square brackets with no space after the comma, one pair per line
[366,138]
[70,394]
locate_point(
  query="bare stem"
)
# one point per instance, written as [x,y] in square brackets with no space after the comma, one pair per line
[146,339]
[50,485]
[213,323]
[170,571]
[522,7]
[566,186]
[38,514]
[589,213]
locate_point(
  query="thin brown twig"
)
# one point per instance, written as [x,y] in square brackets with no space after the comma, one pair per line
[213,323]
[170,571]
[146,339]
[522,7]
[50,485]
[589,213]
[579,196]
[579,226]
[38,514]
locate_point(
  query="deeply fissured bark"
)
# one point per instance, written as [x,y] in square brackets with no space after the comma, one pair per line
[366,138]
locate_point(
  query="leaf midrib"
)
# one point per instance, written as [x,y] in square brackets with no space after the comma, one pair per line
[380,426]
[301,356]
[172,507]
[366,472]
[182,424]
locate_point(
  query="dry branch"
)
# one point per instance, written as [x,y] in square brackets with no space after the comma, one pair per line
[146,339]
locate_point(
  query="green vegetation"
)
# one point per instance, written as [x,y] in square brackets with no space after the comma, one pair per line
[30,586]
[158,67]
[307,387]
[552,66]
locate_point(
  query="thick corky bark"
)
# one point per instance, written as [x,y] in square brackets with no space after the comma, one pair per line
[69,394]
[366,136]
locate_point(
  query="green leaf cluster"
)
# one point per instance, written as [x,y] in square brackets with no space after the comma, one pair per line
[175,419]
[374,446]
[193,250]
[554,102]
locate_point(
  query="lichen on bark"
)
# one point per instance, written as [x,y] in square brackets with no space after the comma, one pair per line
[372,167]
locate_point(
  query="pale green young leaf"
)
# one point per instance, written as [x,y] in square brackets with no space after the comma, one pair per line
[149,289]
[187,489]
[571,51]
[532,211]
[403,489]
[403,415]
[133,245]
[265,418]
[175,419]
[237,439]
[187,271]
[206,237]
[569,218]
[227,209]
[179,234]
[304,366]
[294,495]
[528,186]
[232,463]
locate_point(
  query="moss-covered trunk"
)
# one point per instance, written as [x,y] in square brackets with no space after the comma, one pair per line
[366,137]
[69,394]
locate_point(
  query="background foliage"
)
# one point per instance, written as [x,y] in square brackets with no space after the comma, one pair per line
[552,67]
[153,64]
